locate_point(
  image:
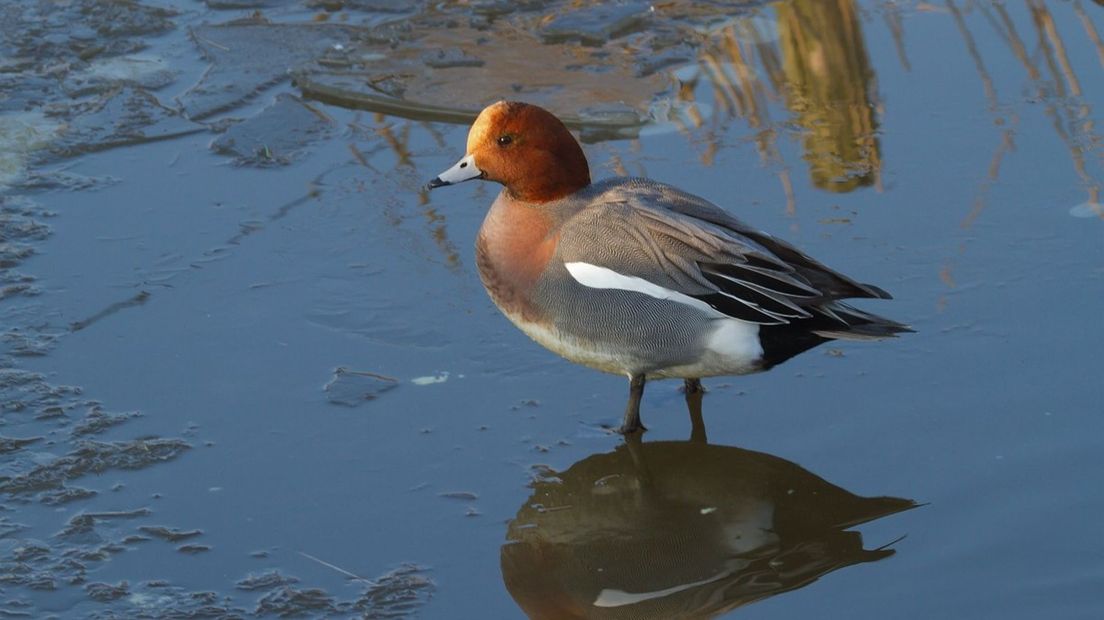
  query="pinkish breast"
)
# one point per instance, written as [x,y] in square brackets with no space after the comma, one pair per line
[513,248]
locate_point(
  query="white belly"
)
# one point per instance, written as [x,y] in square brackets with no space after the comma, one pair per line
[732,348]
[574,349]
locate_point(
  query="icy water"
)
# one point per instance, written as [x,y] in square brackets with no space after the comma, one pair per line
[247,367]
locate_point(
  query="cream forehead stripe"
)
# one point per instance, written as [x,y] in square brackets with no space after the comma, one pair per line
[487,119]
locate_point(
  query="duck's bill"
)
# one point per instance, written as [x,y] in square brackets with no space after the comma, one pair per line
[464,170]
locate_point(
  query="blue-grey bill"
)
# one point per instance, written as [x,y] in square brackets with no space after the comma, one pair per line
[463,170]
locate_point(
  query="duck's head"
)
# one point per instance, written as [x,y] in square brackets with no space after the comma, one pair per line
[526,149]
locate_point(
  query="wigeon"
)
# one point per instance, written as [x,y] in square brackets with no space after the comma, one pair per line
[636,277]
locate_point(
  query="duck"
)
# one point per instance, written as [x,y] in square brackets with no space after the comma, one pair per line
[636,277]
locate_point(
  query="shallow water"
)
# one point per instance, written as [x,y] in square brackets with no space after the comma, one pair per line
[247,367]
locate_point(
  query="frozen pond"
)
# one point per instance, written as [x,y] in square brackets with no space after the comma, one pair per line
[247,366]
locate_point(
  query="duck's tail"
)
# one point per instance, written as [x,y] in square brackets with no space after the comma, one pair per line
[850,323]
[831,320]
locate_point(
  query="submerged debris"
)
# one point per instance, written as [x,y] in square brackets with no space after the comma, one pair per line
[249,55]
[22,133]
[265,581]
[451,57]
[97,421]
[19,343]
[374,6]
[104,592]
[8,527]
[352,388]
[160,600]
[148,72]
[43,33]
[598,24]
[121,117]
[226,5]
[64,495]
[288,601]
[463,495]
[88,539]
[397,594]
[75,68]
[83,525]
[137,299]
[170,534]
[277,136]
[12,444]
[23,390]
[20,224]
[94,457]
[62,180]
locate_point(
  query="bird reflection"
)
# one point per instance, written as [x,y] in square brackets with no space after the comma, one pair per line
[680,529]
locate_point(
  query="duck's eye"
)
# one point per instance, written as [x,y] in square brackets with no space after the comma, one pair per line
[505,140]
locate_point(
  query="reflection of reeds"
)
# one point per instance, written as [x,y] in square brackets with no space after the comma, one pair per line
[821,70]
[1065,110]
[1090,31]
[818,67]
[971,48]
[1059,90]
[892,15]
[398,141]
[1006,145]
[1012,38]
[729,62]
[1071,117]
[1044,22]
[830,90]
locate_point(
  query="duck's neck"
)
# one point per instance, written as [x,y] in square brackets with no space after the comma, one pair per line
[559,175]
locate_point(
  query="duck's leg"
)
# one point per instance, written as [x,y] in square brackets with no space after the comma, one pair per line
[631,422]
[694,391]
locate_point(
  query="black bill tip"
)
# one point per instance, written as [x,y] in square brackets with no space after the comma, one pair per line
[436,182]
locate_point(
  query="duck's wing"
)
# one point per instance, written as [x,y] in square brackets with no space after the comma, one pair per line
[665,243]
[831,283]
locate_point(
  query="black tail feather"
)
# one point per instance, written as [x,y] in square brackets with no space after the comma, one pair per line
[833,321]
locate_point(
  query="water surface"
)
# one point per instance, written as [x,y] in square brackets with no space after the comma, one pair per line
[246,365]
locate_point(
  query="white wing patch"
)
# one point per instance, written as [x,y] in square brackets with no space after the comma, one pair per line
[732,347]
[593,276]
